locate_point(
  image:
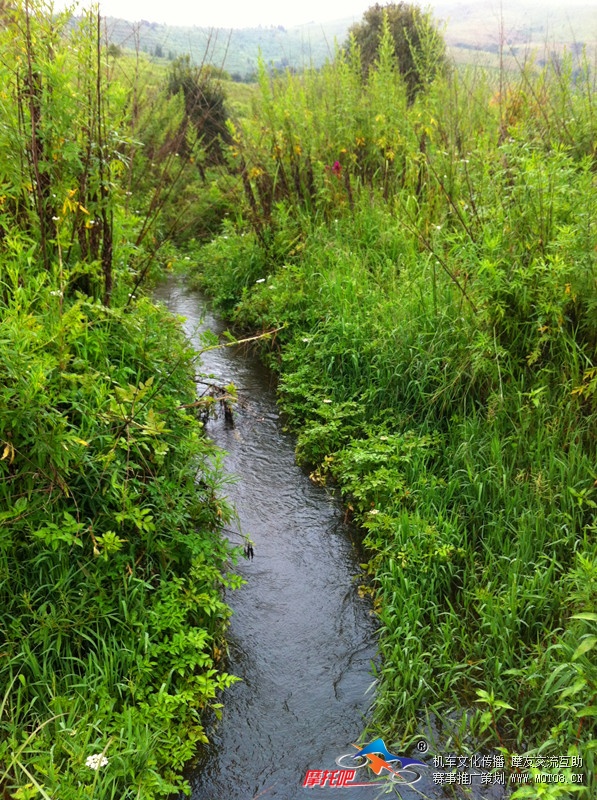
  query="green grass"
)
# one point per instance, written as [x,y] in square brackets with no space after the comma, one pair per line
[437,364]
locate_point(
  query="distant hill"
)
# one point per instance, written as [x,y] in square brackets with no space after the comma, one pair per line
[235,50]
[541,25]
[472,29]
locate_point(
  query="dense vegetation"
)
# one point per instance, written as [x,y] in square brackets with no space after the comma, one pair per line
[111,559]
[430,258]
[433,263]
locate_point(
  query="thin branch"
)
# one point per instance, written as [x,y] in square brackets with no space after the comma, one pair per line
[429,247]
[450,200]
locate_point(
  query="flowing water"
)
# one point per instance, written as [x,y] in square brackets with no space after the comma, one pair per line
[301,638]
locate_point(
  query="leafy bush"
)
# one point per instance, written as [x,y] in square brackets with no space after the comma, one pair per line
[110,561]
[417,46]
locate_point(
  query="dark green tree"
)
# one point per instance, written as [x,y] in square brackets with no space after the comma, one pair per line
[419,47]
[204,104]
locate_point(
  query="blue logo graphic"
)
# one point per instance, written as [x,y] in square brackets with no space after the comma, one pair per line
[376,748]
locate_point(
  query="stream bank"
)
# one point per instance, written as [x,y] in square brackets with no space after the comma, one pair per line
[301,637]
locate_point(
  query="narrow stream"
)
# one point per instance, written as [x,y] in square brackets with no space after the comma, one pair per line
[301,638]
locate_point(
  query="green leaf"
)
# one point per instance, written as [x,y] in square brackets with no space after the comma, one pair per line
[585,615]
[587,711]
[575,688]
[502,704]
[587,644]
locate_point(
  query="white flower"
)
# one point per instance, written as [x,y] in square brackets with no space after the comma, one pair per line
[96,761]
[261,280]
[56,293]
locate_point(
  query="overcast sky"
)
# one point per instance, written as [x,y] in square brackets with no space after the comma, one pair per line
[250,13]
[233,13]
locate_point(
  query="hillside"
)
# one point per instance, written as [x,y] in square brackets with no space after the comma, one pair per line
[524,26]
[471,30]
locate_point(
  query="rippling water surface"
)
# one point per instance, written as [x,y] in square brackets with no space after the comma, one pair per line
[301,638]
